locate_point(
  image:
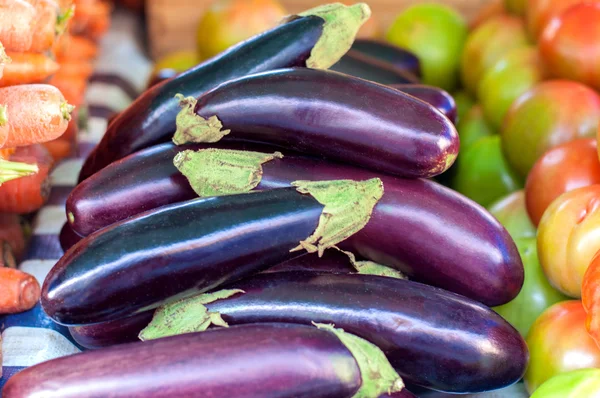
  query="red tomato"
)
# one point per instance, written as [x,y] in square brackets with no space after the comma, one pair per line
[569,44]
[558,343]
[564,168]
[540,12]
[590,295]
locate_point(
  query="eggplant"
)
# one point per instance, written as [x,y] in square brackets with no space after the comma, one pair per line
[453,243]
[434,96]
[397,56]
[357,64]
[68,237]
[270,360]
[433,338]
[150,119]
[194,246]
[325,114]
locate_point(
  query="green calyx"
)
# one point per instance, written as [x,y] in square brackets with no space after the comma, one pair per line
[348,208]
[186,316]
[377,374]
[339,31]
[192,128]
[66,109]
[4,58]
[371,267]
[13,170]
[63,18]
[214,172]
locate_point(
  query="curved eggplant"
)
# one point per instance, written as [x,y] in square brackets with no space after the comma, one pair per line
[434,96]
[433,338]
[270,360]
[325,114]
[151,117]
[68,237]
[453,242]
[399,57]
[360,65]
[176,251]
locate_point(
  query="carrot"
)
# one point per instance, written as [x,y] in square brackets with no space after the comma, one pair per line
[27,68]
[36,113]
[4,125]
[75,48]
[77,69]
[28,194]
[73,89]
[12,234]
[91,19]
[4,59]
[5,153]
[50,22]
[19,291]
[59,148]
[18,24]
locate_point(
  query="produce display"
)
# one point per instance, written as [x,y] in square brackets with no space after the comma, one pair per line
[309,205]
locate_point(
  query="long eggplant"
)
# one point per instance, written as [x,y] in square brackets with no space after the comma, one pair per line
[151,117]
[399,57]
[67,236]
[185,248]
[435,96]
[452,242]
[326,114]
[433,338]
[357,64]
[270,360]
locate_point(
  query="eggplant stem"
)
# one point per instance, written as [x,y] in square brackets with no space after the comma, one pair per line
[192,128]
[371,267]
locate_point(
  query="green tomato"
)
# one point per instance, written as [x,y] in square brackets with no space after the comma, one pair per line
[512,214]
[536,295]
[575,384]
[514,74]
[483,174]
[436,34]
[472,127]
[464,102]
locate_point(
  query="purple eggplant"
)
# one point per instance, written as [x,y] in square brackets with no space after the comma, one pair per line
[453,242]
[68,237]
[326,114]
[357,64]
[270,360]
[399,57]
[434,96]
[177,250]
[151,118]
[433,338]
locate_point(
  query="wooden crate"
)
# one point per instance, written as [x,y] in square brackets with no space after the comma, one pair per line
[172,23]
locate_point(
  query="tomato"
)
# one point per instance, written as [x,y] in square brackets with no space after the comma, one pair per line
[535,296]
[551,113]
[590,296]
[483,174]
[516,72]
[558,343]
[472,127]
[540,12]
[464,103]
[569,237]
[436,34]
[516,7]
[576,384]
[487,44]
[561,169]
[512,214]
[569,44]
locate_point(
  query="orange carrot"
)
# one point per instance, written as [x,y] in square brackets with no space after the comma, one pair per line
[75,48]
[72,88]
[5,153]
[19,291]
[18,24]
[27,194]
[11,232]
[91,19]
[50,22]
[36,113]
[77,69]
[59,148]
[27,68]
[4,125]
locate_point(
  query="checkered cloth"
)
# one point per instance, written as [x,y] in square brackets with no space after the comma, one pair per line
[121,73]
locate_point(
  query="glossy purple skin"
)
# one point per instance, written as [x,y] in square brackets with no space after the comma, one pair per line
[433,338]
[435,96]
[453,242]
[336,116]
[68,237]
[174,252]
[357,64]
[271,360]
[150,119]
[399,57]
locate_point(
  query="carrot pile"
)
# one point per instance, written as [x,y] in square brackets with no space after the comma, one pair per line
[47,50]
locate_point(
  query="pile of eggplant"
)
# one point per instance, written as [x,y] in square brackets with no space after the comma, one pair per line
[267,224]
